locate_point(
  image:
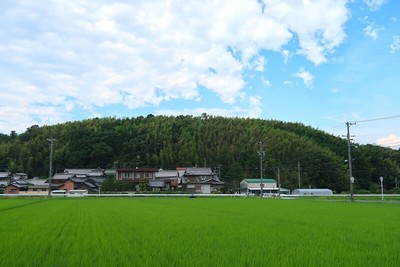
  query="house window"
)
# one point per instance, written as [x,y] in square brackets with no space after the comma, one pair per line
[126,175]
[147,175]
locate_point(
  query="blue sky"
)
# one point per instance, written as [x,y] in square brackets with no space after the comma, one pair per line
[321,63]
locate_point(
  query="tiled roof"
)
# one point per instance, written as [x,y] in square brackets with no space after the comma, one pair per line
[198,171]
[137,170]
[37,182]
[77,180]
[167,174]
[4,174]
[62,176]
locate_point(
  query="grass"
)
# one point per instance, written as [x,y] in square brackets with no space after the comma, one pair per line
[197,232]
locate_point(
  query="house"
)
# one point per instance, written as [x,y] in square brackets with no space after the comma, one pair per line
[165,179]
[12,189]
[200,180]
[19,176]
[79,181]
[74,183]
[135,174]
[269,187]
[5,176]
[37,186]
[86,173]
[27,186]
[16,187]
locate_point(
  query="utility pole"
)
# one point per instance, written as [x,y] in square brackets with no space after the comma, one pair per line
[298,172]
[51,140]
[115,169]
[261,153]
[279,183]
[219,171]
[348,124]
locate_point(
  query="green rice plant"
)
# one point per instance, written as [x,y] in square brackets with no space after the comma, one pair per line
[197,232]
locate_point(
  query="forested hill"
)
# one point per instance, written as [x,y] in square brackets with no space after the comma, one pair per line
[233,143]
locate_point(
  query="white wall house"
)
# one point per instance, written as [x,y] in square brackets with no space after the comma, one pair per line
[253,186]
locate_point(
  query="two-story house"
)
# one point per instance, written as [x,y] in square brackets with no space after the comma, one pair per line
[135,174]
[165,179]
[200,180]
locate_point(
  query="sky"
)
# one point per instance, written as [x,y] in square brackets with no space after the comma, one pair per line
[318,62]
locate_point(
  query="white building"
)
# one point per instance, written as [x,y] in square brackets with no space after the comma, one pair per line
[313,192]
[269,186]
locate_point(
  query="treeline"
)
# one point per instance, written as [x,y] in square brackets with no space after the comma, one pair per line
[229,145]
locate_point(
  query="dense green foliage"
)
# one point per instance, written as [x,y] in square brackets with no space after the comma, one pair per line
[197,232]
[170,142]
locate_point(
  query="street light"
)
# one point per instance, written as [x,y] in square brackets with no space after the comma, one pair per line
[381,179]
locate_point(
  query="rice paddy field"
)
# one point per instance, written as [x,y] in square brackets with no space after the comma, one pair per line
[197,232]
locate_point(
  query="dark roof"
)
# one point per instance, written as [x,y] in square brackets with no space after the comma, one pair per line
[39,186]
[21,182]
[77,180]
[96,181]
[208,181]
[62,176]
[167,174]
[90,184]
[137,170]
[56,185]
[37,182]
[20,186]
[198,171]
[4,174]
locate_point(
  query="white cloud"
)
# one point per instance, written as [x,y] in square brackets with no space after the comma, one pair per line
[391,140]
[395,45]
[286,55]
[266,82]
[253,110]
[259,63]
[374,4]
[334,90]
[287,83]
[372,31]
[88,54]
[306,76]
[318,32]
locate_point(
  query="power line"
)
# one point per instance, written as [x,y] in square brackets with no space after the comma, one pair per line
[379,119]
[336,128]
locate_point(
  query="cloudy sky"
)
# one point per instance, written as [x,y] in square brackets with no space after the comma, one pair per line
[318,62]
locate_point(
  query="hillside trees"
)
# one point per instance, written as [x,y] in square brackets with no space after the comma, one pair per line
[168,142]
